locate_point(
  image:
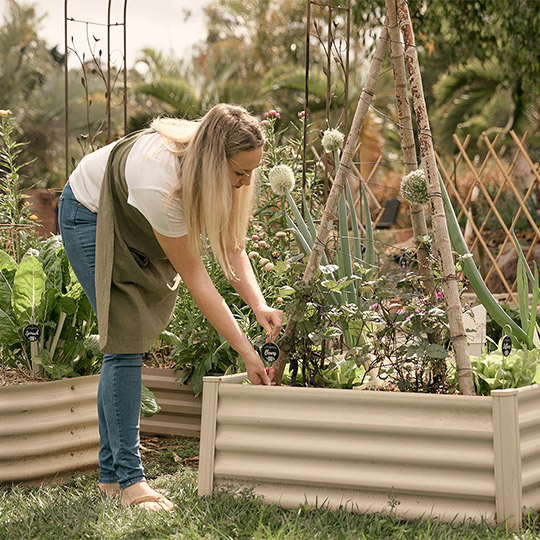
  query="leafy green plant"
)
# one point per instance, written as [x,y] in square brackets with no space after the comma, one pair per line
[390,329]
[196,347]
[42,291]
[149,404]
[493,371]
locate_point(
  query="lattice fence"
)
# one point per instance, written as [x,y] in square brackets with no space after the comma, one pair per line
[492,195]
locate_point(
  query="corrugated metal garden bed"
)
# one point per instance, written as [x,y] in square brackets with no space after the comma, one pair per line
[421,455]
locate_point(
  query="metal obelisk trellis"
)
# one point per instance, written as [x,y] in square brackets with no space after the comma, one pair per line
[336,54]
[109,85]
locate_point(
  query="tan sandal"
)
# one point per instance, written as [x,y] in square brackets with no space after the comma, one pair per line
[150,498]
[159,499]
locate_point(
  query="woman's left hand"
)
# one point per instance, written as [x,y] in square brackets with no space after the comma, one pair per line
[271,320]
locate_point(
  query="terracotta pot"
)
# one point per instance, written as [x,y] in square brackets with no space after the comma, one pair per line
[180,411]
[48,430]
[419,455]
[402,235]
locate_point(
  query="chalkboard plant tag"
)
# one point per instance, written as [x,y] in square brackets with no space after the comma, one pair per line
[506,345]
[32,332]
[270,352]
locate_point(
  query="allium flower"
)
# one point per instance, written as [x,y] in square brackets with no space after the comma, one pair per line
[273,112]
[268,266]
[414,188]
[281,179]
[301,114]
[332,140]
[265,123]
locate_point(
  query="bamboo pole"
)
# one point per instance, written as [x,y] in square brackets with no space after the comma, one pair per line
[408,146]
[331,207]
[438,217]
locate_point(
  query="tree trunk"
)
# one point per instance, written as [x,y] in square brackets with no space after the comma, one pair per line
[331,207]
[408,147]
[440,230]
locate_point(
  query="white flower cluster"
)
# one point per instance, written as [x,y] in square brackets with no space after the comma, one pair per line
[332,140]
[281,179]
[414,188]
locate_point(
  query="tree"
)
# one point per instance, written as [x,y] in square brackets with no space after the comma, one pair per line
[454,32]
[476,97]
[31,86]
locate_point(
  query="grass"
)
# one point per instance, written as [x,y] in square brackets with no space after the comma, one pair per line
[76,511]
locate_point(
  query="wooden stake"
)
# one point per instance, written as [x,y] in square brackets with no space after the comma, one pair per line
[408,147]
[440,229]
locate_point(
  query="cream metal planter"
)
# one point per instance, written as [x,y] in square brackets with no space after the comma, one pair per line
[180,413]
[446,456]
[48,430]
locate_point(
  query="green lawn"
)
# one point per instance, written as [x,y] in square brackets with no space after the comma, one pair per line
[75,510]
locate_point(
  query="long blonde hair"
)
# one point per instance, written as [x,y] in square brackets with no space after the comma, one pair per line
[211,206]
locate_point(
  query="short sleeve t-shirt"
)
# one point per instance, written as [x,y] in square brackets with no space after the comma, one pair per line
[151,176]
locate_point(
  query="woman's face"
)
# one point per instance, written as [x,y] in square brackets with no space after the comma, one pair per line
[241,166]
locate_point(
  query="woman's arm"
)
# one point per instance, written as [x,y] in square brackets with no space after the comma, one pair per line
[213,307]
[247,287]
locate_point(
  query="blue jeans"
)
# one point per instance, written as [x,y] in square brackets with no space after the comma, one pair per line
[119,391]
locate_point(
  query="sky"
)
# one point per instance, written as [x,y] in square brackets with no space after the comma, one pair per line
[171,26]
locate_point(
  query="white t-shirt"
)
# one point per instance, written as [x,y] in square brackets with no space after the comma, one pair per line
[151,175]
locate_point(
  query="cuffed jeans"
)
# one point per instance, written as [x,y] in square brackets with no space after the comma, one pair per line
[119,391]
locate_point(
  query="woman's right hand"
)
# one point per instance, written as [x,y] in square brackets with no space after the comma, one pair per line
[257,373]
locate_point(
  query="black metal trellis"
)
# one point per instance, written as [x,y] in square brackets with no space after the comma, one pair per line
[332,44]
[109,86]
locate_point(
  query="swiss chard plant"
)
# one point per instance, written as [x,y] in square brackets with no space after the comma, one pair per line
[47,324]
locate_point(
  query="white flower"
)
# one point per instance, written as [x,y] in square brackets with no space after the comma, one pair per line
[414,188]
[332,140]
[281,179]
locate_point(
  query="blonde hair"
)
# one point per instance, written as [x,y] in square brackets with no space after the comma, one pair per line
[211,205]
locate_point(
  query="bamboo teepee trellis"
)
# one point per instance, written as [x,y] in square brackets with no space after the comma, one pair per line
[441,238]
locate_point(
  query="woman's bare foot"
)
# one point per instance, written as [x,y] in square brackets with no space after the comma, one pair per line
[109,489]
[142,495]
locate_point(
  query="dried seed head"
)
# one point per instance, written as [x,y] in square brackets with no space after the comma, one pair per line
[414,188]
[281,179]
[332,140]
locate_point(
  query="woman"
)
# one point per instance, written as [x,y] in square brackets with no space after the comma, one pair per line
[131,218]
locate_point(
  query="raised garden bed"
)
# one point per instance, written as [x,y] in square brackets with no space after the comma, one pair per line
[48,430]
[180,413]
[419,455]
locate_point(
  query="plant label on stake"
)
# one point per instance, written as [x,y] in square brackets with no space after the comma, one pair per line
[31,332]
[506,345]
[506,349]
[270,352]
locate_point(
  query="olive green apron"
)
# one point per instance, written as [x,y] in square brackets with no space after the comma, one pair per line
[135,282]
